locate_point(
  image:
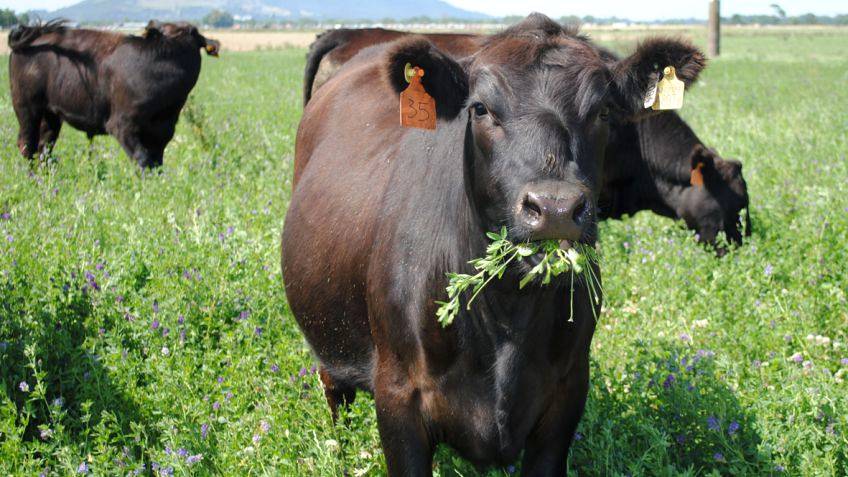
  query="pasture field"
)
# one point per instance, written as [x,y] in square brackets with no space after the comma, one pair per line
[144,326]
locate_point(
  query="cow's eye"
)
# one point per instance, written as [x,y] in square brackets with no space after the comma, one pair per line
[603,115]
[479,109]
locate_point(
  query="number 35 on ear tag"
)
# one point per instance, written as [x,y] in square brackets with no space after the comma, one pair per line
[417,108]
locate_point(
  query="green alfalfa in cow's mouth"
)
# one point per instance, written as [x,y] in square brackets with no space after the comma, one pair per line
[501,252]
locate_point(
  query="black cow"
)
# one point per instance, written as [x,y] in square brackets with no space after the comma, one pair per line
[130,87]
[379,214]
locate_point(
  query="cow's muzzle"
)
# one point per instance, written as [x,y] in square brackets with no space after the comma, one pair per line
[554,216]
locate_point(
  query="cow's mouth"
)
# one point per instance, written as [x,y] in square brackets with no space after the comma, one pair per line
[537,258]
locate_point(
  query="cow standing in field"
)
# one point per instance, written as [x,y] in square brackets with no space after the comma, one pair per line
[648,164]
[130,87]
[379,214]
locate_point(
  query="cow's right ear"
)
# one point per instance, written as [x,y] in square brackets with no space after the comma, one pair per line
[152,30]
[444,79]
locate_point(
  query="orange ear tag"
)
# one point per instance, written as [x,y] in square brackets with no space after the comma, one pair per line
[417,108]
[697,177]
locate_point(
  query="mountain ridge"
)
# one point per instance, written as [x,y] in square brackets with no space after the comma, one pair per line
[143,10]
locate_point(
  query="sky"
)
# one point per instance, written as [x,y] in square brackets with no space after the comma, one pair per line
[631,9]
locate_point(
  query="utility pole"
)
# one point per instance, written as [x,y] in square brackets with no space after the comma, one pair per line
[713,29]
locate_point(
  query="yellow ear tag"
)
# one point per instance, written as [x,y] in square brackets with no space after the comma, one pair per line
[669,91]
[417,108]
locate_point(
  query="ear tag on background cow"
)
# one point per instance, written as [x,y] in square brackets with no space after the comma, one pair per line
[697,177]
[669,91]
[417,108]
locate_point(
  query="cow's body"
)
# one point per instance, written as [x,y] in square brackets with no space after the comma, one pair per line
[379,214]
[391,265]
[130,87]
[648,164]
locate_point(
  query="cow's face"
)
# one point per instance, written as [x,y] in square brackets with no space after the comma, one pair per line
[714,203]
[537,99]
[184,32]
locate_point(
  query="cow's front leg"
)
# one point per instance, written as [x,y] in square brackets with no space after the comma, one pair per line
[406,444]
[128,134]
[547,448]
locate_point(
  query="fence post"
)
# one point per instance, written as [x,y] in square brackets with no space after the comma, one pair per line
[713,29]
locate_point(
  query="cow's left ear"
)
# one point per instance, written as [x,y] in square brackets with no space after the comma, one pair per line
[152,30]
[637,74]
[444,79]
[703,163]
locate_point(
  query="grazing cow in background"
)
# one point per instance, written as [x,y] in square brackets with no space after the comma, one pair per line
[130,87]
[648,164]
[380,213]
[650,167]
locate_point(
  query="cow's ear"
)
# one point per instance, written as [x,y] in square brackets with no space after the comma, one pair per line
[153,29]
[703,164]
[637,74]
[444,79]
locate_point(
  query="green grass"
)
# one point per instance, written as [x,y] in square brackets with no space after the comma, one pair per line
[199,242]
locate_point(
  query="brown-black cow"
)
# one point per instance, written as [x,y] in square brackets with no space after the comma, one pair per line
[131,87]
[648,164]
[379,214]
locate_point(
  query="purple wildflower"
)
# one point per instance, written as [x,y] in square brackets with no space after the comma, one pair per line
[155,324]
[9,238]
[843,361]
[768,270]
[166,332]
[244,315]
[276,369]
[182,452]
[797,357]
[99,266]
[258,331]
[510,469]
[712,423]
[167,472]
[182,336]
[92,280]
[578,436]
[230,230]
[119,299]
[779,468]
[45,434]
[669,381]
[313,369]
[681,439]
[6,216]
[220,379]
[732,428]
[181,319]
[204,430]
[264,426]
[216,405]
[23,386]
[155,306]
[83,468]
[684,337]
[228,396]
[302,372]
[256,439]
[830,430]
[193,459]
[718,456]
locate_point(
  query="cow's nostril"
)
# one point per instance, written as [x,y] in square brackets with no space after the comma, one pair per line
[579,213]
[531,207]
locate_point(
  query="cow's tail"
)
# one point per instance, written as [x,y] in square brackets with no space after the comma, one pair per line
[22,36]
[323,44]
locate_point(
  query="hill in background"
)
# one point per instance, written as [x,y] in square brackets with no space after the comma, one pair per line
[112,11]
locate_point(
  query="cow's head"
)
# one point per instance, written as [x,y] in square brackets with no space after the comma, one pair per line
[184,32]
[537,100]
[715,198]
